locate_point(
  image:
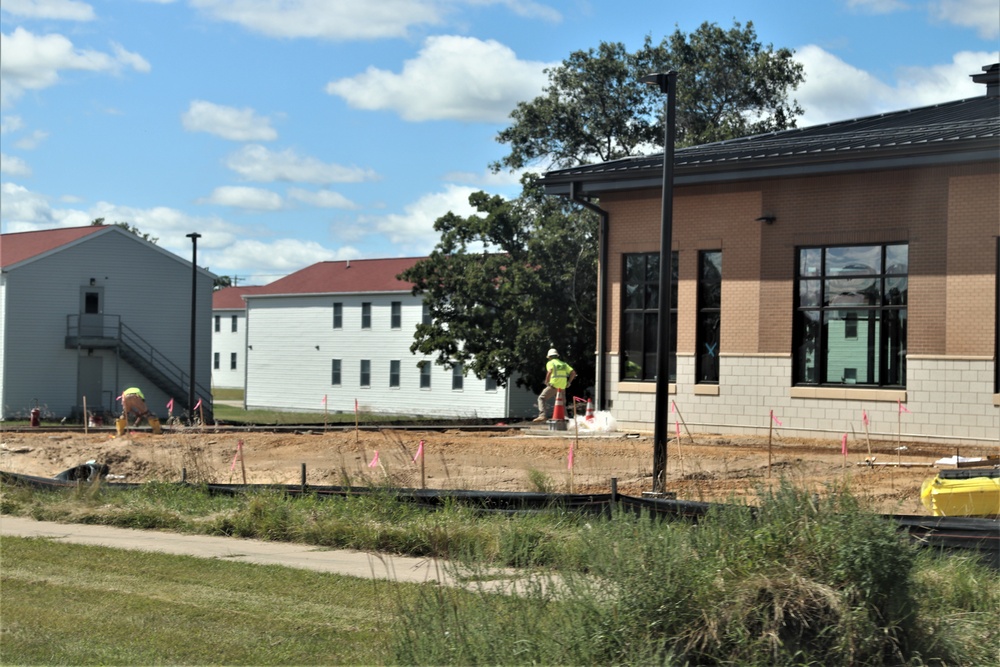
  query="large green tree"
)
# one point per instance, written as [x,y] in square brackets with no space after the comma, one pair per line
[595,107]
[505,285]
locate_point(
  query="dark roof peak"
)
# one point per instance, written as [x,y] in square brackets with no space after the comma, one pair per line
[991,77]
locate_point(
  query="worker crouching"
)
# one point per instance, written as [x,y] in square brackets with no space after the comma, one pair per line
[134,403]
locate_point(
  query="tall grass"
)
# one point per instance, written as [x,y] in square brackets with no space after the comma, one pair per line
[795,580]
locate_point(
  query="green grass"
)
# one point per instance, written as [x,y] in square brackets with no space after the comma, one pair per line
[82,605]
[221,394]
[800,582]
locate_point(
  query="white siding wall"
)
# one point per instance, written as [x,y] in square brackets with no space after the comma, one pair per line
[293,344]
[149,288]
[225,343]
[3,336]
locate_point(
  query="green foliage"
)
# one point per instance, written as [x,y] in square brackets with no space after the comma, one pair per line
[506,284]
[131,229]
[595,107]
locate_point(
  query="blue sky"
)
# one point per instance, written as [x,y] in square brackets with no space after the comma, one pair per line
[288,132]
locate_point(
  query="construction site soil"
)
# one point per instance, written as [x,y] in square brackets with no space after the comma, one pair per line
[703,467]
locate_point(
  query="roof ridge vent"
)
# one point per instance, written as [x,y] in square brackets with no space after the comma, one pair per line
[991,77]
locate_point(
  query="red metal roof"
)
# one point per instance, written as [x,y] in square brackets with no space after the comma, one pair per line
[231,298]
[19,246]
[351,276]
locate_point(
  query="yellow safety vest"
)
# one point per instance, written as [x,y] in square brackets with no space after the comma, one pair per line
[560,373]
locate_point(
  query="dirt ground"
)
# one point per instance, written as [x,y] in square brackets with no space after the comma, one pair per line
[711,468]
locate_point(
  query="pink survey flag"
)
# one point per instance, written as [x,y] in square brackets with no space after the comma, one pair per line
[239,449]
[170,405]
[324,399]
[843,445]
[776,421]
[197,405]
[579,400]
[569,462]
[902,408]
[677,426]
[420,451]
[374,460]
[119,397]
[864,417]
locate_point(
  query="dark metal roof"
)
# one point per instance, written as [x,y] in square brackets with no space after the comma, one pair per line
[953,132]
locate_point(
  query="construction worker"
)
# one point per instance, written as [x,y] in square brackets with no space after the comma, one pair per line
[558,376]
[134,402]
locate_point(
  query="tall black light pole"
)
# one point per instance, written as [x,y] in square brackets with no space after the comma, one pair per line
[667,83]
[194,236]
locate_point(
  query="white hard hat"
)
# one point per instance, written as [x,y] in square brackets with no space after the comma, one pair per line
[552,352]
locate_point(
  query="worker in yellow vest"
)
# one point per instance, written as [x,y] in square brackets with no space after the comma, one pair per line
[558,376]
[134,403]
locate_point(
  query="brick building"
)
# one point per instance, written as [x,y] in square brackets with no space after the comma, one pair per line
[843,276]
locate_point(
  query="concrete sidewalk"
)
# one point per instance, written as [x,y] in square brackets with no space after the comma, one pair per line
[350,563]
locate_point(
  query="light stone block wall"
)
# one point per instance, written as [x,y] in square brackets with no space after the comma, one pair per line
[949,400]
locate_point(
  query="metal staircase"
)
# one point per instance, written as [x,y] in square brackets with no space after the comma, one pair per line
[109,332]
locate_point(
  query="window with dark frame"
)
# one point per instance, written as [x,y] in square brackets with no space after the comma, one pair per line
[232,361]
[233,325]
[396,318]
[425,314]
[366,315]
[457,377]
[366,373]
[335,373]
[709,316]
[394,373]
[640,307]
[850,315]
[215,360]
[338,316]
[425,374]
[218,323]
[491,384]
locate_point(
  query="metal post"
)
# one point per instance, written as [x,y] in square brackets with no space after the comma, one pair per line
[668,85]
[194,236]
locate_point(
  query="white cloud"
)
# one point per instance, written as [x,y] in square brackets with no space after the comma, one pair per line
[254,199]
[983,15]
[33,62]
[413,230]
[61,10]
[224,247]
[487,178]
[10,124]
[876,6]
[324,19]
[452,78]
[268,260]
[227,122]
[524,8]
[834,90]
[257,163]
[31,141]
[13,166]
[321,198]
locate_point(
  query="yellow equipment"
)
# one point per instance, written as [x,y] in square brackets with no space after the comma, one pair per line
[959,493]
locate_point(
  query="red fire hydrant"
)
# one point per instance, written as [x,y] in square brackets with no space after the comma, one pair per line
[36,417]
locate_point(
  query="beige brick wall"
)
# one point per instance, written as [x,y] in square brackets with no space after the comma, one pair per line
[950,216]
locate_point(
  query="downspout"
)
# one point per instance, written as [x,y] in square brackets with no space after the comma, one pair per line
[602,295]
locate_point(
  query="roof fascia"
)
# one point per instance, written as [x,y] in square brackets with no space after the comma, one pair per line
[247,297]
[602,183]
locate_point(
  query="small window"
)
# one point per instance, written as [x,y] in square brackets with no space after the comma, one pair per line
[215,361]
[366,315]
[491,384]
[394,373]
[709,316]
[397,315]
[233,325]
[425,315]
[457,378]
[338,316]
[366,373]
[425,374]
[218,323]
[335,374]
[232,361]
